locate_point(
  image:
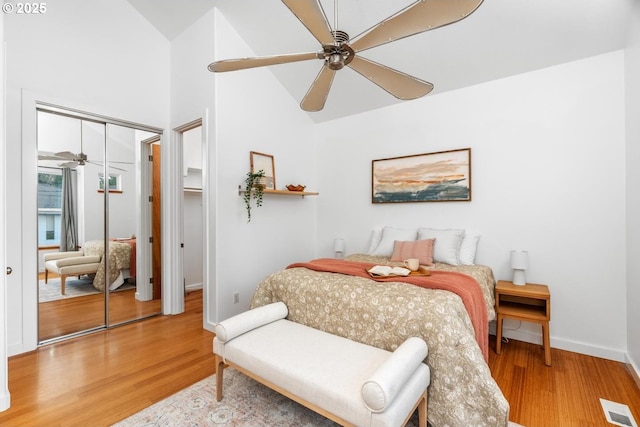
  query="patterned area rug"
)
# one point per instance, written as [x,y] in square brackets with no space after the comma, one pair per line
[73,288]
[245,403]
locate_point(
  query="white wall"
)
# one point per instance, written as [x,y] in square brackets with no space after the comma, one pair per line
[247,111]
[99,56]
[632,62]
[548,175]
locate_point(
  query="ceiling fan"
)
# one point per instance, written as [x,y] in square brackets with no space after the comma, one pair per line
[339,50]
[73,160]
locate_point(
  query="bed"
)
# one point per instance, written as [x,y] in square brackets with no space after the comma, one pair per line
[385,313]
[120,255]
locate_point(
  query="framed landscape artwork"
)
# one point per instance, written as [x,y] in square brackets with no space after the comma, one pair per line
[444,176]
[261,161]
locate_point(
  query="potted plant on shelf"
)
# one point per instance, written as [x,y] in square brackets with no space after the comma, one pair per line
[255,183]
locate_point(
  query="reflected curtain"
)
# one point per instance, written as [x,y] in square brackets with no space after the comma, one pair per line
[68,217]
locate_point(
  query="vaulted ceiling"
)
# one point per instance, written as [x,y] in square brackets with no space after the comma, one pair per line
[501,38]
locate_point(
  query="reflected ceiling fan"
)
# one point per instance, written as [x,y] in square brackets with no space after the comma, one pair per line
[338,50]
[73,160]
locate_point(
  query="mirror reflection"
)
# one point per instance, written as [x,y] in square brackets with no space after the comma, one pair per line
[88,218]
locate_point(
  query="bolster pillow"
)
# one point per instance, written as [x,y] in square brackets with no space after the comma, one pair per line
[244,322]
[384,384]
[59,255]
[65,262]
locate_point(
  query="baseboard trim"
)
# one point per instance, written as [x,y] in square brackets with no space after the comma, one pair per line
[633,371]
[193,287]
[568,345]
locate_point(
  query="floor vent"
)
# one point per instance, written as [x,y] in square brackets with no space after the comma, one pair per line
[618,414]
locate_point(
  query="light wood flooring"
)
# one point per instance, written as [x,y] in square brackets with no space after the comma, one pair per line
[68,316]
[99,379]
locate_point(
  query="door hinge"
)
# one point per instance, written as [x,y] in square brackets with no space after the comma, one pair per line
[151,239]
[150,158]
[151,198]
[151,280]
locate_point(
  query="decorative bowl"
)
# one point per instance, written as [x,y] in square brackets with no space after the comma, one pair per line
[298,187]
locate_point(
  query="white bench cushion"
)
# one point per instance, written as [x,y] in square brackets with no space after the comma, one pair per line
[325,370]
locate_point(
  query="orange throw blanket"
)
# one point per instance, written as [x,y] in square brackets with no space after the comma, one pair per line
[461,284]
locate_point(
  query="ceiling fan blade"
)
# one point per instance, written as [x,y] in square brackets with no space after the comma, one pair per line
[70,165]
[415,18]
[66,155]
[244,63]
[398,84]
[312,16]
[317,95]
[110,166]
[48,156]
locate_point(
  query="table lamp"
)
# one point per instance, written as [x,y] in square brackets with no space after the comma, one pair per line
[338,247]
[519,262]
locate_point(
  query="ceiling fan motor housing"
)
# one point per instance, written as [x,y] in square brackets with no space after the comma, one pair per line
[339,54]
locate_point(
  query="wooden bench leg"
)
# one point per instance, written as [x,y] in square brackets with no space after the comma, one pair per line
[219,372]
[46,276]
[422,411]
[62,279]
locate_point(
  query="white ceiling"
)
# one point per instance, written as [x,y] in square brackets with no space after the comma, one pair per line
[501,38]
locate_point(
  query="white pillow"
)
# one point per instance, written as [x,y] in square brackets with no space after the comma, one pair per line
[376,236]
[468,246]
[447,244]
[389,236]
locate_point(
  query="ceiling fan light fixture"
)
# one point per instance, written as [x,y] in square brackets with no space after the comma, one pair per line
[335,61]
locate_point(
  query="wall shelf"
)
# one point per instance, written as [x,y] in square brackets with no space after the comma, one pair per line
[282,192]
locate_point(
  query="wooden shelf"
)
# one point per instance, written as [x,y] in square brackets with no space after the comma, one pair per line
[282,192]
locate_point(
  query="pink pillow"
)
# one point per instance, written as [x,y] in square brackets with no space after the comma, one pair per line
[421,249]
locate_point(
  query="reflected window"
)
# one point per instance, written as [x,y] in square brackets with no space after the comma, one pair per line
[49,206]
[114,182]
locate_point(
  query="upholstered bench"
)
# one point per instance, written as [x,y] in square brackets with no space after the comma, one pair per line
[72,263]
[348,382]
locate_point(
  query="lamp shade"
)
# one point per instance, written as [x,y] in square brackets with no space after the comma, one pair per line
[338,245]
[519,259]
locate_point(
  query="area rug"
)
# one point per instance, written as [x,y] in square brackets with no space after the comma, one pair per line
[245,403]
[73,287]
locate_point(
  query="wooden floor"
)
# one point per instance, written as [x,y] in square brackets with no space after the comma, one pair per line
[67,316]
[567,393]
[99,379]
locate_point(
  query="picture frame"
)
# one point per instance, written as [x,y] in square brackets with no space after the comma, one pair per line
[265,162]
[443,176]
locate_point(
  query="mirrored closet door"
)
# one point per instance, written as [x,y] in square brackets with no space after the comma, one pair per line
[90,207]
[70,223]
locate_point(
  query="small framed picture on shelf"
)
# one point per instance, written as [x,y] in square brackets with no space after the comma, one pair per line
[261,161]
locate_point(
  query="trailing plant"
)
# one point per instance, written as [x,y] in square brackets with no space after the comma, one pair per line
[254,185]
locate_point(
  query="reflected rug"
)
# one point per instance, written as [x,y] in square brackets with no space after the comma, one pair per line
[245,403]
[73,287]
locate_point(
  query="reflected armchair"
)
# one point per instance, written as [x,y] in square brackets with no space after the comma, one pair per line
[73,263]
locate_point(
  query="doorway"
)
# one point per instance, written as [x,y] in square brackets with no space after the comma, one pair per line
[190,136]
[91,268]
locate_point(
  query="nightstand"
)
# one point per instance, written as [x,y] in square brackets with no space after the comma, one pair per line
[529,303]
